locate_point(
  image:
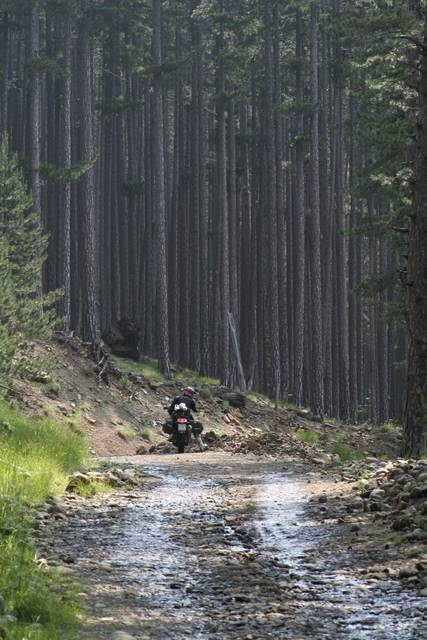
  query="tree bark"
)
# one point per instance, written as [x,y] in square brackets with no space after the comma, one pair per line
[415,423]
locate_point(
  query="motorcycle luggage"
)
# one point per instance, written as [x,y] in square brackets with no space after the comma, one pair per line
[167,428]
[197,428]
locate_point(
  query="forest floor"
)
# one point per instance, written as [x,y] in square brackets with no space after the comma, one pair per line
[265,535]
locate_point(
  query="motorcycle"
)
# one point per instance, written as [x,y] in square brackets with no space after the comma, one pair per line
[183,427]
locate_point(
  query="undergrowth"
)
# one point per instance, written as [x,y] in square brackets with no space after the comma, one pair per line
[36,457]
[88,490]
[146,367]
[345,452]
[309,436]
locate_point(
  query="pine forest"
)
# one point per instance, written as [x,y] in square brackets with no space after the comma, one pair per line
[219,168]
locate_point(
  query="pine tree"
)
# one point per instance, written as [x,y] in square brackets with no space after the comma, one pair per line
[24,315]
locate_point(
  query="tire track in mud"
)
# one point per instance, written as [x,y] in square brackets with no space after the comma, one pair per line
[222,549]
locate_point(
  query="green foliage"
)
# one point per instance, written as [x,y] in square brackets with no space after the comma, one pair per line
[147,434]
[147,368]
[25,314]
[93,488]
[128,432]
[309,436]
[36,458]
[345,452]
[51,172]
[388,427]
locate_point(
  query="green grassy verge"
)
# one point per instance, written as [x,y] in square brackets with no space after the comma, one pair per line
[36,457]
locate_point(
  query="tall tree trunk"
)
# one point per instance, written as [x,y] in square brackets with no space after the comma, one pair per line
[35,106]
[159,197]
[299,221]
[222,208]
[90,326]
[317,366]
[66,193]
[415,425]
[271,209]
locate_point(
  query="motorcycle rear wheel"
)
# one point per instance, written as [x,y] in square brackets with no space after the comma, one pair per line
[181,442]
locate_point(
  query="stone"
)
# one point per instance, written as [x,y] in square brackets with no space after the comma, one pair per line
[417,534]
[407,572]
[377,494]
[122,635]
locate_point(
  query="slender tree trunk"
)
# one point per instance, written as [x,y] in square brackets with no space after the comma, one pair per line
[66,193]
[35,106]
[87,185]
[159,198]
[299,222]
[271,208]
[222,204]
[415,425]
[317,366]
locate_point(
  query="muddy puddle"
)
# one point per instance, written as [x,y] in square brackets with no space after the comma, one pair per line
[225,551]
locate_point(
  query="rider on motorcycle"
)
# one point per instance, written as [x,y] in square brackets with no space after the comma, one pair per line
[187,398]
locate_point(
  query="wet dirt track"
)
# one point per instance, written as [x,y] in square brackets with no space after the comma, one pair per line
[225,547]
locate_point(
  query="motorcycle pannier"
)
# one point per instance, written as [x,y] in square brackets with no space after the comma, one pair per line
[197,428]
[168,428]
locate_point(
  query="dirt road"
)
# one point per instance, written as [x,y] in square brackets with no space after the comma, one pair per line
[214,546]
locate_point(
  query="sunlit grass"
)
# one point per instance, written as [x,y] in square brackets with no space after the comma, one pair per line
[93,488]
[309,436]
[388,427]
[127,432]
[146,367]
[36,457]
[187,376]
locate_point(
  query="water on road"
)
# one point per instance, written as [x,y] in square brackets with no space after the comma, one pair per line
[217,547]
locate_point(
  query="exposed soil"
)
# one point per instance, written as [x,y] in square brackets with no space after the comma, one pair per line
[125,417]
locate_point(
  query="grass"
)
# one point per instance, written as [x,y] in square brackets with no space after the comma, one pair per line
[36,457]
[309,436]
[345,452]
[146,367]
[147,434]
[53,386]
[93,488]
[127,432]
[388,427]
[187,376]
